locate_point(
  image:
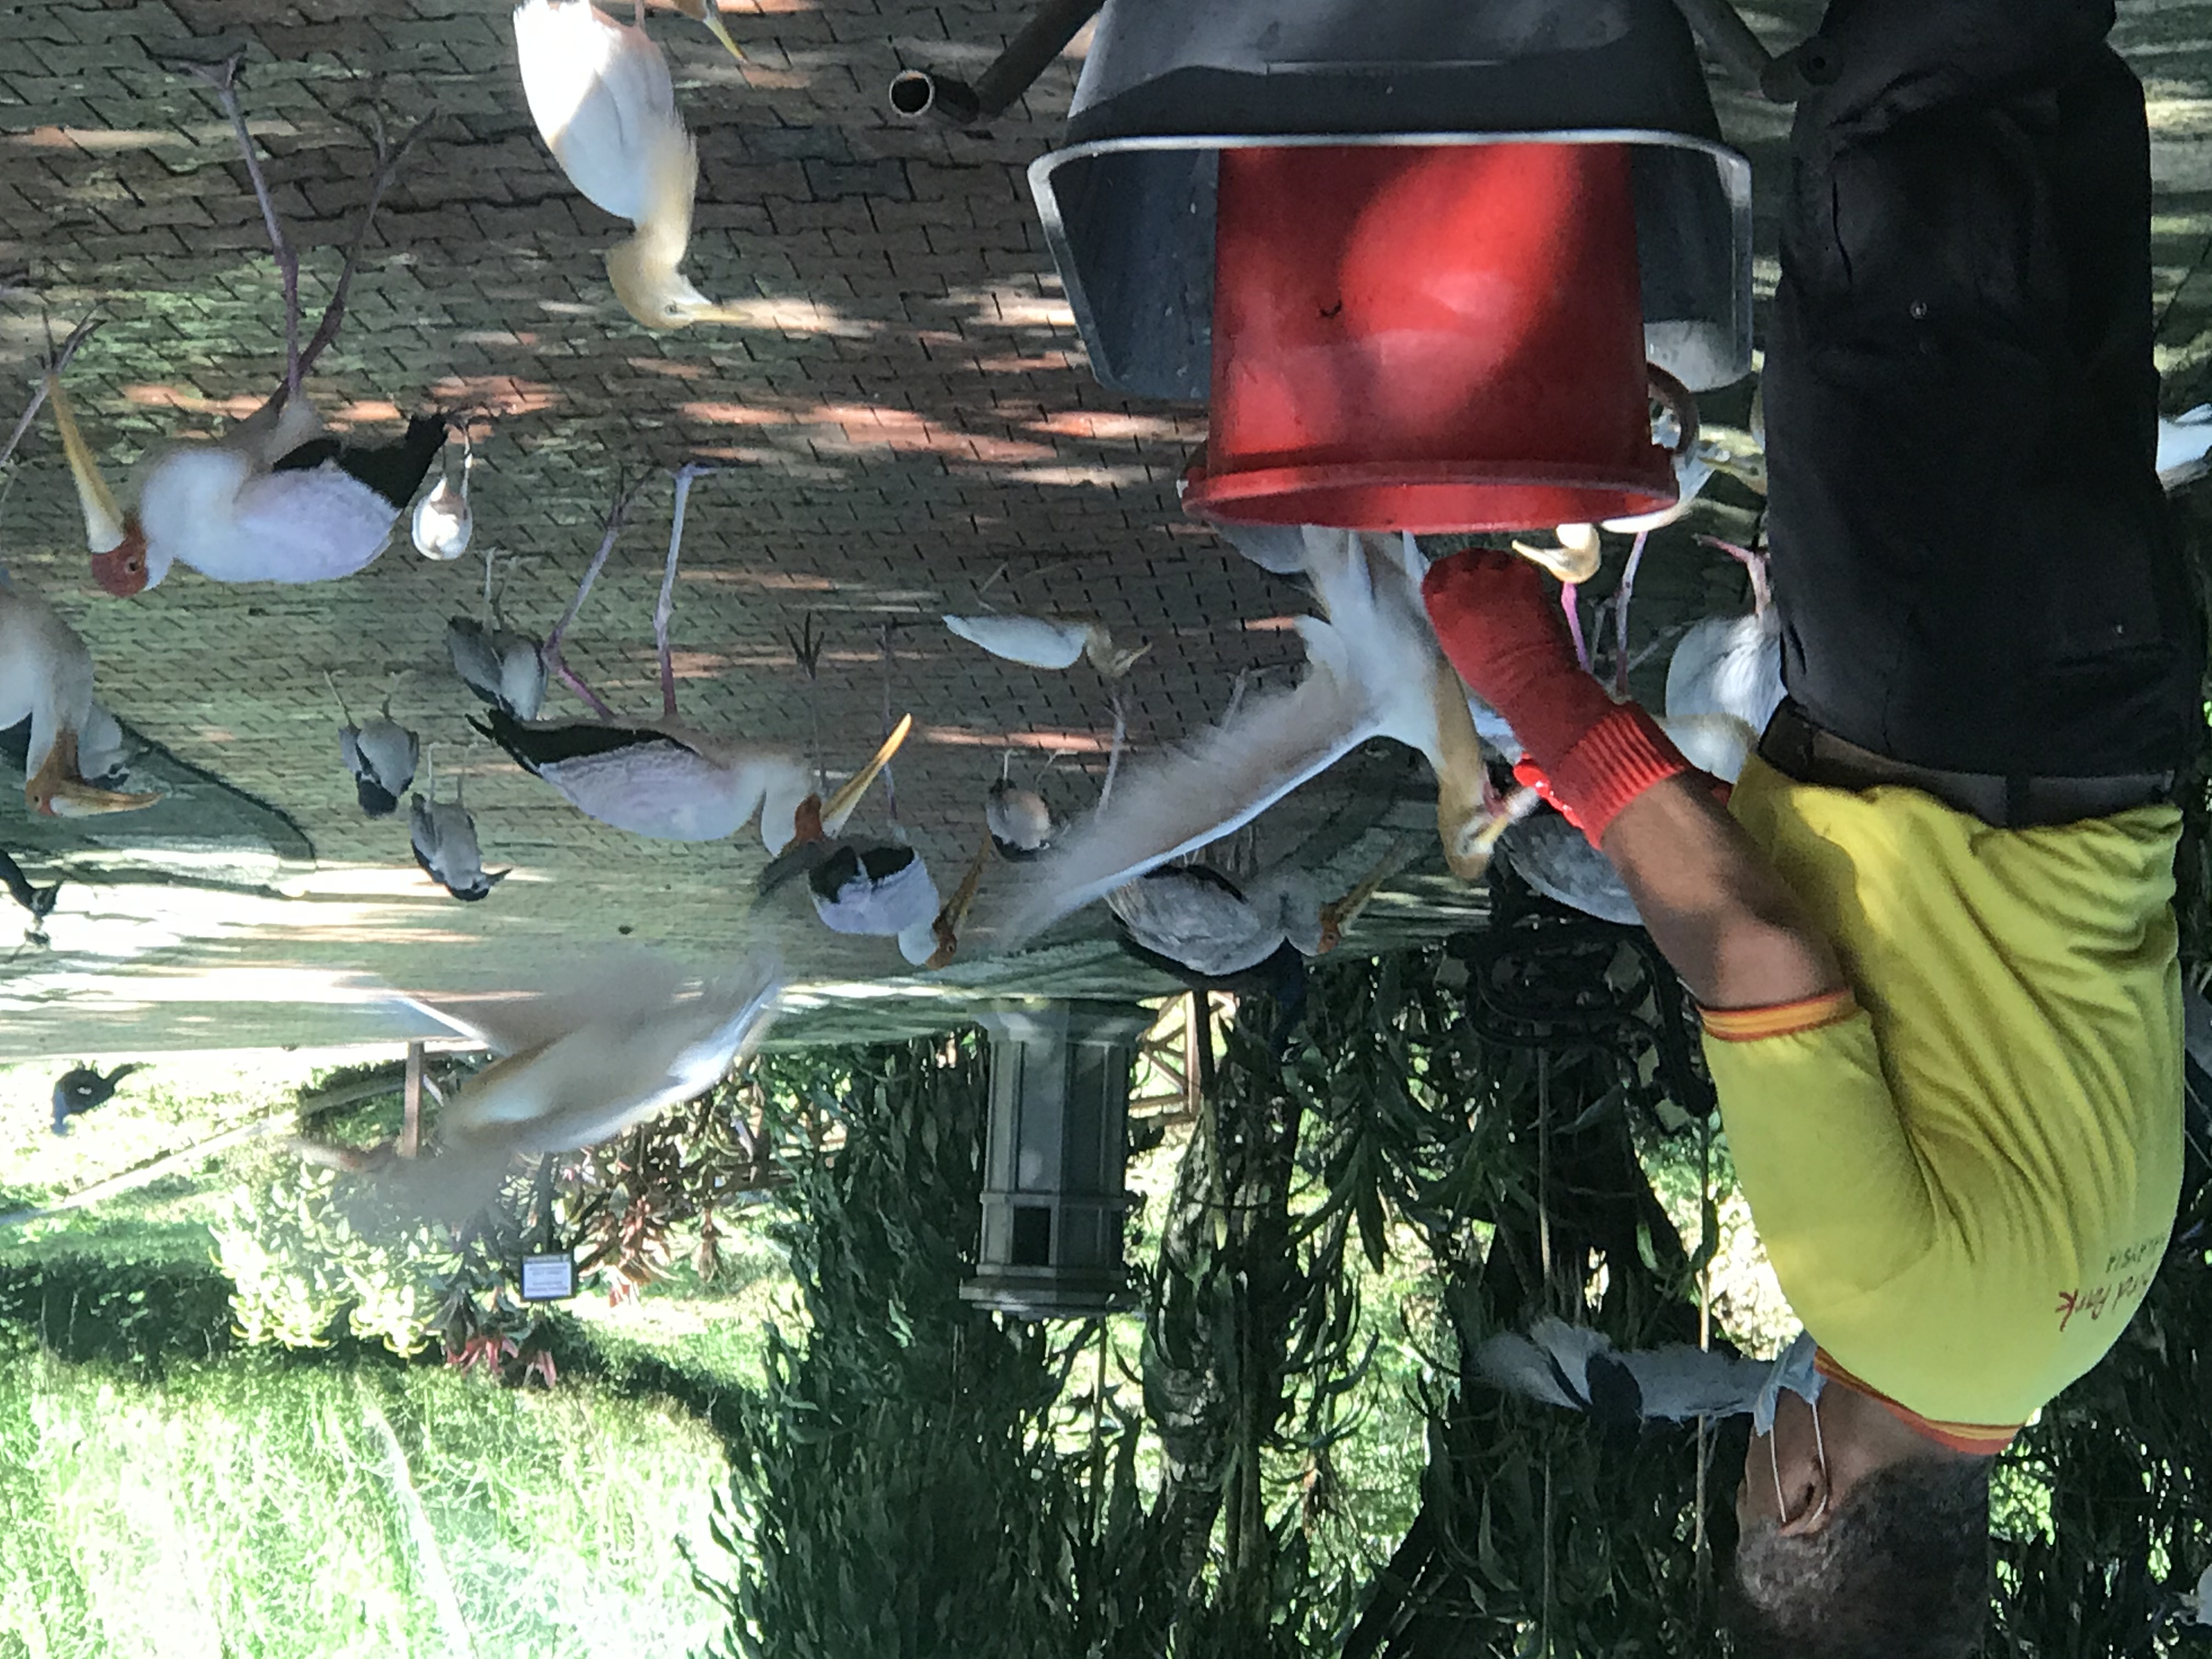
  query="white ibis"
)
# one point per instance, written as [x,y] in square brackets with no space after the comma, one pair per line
[1020,823]
[1374,670]
[82,1088]
[45,679]
[381,756]
[444,836]
[600,93]
[1047,641]
[661,778]
[582,1064]
[274,499]
[443,522]
[1730,666]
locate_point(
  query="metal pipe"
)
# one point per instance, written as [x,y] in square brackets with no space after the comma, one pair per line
[916,93]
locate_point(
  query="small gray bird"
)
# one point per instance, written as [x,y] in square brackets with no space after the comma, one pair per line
[82,1088]
[444,838]
[505,668]
[381,756]
[1020,822]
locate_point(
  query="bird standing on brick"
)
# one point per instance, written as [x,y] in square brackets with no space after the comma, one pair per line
[661,778]
[275,498]
[45,680]
[600,94]
[444,836]
[381,756]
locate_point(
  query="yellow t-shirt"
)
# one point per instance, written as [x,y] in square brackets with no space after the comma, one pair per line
[1967,1177]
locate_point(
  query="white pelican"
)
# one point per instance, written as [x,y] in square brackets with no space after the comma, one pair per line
[600,94]
[443,521]
[45,679]
[381,756]
[579,1065]
[273,499]
[1374,670]
[444,836]
[1047,641]
[661,778]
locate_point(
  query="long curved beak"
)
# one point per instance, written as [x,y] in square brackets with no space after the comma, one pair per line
[840,805]
[711,15]
[103,517]
[1575,559]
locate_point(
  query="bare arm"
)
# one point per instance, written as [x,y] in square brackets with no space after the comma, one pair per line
[1715,907]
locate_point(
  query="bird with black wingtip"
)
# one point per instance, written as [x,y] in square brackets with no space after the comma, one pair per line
[1932,930]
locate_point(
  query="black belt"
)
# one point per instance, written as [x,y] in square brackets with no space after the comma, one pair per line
[1796,748]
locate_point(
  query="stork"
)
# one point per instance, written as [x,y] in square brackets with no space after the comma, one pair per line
[274,499]
[45,679]
[663,778]
[1374,670]
[600,93]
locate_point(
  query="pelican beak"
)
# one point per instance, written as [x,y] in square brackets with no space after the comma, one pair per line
[56,791]
[954,916]
[841,805]
[1463,792]
[708,12]
[103,520]
[1575,559]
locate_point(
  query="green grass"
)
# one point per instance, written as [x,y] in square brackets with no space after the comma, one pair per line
[260,1506]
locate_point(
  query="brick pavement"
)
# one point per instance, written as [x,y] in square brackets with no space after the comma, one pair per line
[905,413]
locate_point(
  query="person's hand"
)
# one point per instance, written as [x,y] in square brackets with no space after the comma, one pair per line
[1500,622]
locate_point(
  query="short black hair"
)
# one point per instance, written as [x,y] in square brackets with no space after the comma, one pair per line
[1902,1570]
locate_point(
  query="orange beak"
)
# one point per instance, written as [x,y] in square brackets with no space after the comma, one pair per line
[55,790]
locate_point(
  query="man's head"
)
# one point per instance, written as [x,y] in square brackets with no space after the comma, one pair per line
[1858,1538]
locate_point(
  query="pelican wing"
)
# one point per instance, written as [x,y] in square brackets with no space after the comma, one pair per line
[1038,641]
[1215,782]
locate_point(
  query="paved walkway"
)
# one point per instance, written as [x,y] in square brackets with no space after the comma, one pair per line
[908,427]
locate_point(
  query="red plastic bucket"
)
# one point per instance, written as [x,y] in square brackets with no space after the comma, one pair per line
[1428,337]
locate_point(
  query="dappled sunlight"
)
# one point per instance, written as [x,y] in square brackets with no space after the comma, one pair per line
[1006,305]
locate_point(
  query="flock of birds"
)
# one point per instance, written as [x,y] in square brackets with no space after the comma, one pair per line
[276,497]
